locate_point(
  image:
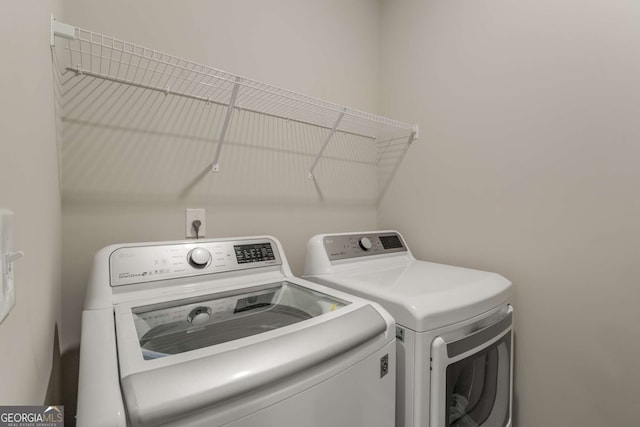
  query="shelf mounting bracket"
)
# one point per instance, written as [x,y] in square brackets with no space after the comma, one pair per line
[59,29]
[215,167]
[326,142]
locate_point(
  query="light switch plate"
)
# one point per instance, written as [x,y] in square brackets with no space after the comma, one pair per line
[7,256]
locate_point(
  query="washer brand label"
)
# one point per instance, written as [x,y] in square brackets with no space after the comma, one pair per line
[143,274]
[31,416]
[131,275]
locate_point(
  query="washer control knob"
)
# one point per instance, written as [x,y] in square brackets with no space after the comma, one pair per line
[365,243]
[199,257]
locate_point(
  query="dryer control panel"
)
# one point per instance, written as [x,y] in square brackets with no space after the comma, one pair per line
[344,246]
[147,263]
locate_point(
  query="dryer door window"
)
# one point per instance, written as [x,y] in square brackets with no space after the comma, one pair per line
[478,388]
[471,377]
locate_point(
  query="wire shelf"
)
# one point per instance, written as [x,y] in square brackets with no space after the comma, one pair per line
[82,53]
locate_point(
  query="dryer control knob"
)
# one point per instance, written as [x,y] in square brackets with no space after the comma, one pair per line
[365,243]
[199,257]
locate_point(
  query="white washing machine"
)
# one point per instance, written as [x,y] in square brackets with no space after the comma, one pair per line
[454,326]
[218,332]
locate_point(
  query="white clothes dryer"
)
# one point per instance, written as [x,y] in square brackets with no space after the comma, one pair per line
[218,332]
[454,326]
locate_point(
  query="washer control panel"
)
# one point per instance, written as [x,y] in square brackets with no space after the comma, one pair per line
[148,263]
[359,245]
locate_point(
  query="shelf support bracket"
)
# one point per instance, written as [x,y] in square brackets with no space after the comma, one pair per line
[326,142]
[59,29]
[215,167]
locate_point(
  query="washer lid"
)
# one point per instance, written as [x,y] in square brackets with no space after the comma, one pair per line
[179,356]
[422,295]
[175,327]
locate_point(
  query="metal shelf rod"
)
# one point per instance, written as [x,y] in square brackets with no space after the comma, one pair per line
[199,72]
[167,91]
[226,77]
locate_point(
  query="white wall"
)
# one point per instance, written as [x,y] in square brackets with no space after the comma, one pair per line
[327,49]
[527,165]
[29,177]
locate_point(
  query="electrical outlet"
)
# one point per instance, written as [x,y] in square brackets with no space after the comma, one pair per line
[192,215]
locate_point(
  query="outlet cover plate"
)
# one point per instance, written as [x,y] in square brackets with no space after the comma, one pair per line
[192,215]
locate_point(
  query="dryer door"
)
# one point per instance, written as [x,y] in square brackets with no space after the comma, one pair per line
[471,377]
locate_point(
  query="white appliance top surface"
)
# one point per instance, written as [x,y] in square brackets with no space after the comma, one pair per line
[422,295]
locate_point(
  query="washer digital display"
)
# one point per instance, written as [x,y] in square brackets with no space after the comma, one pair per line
[390,242]
[254,253]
